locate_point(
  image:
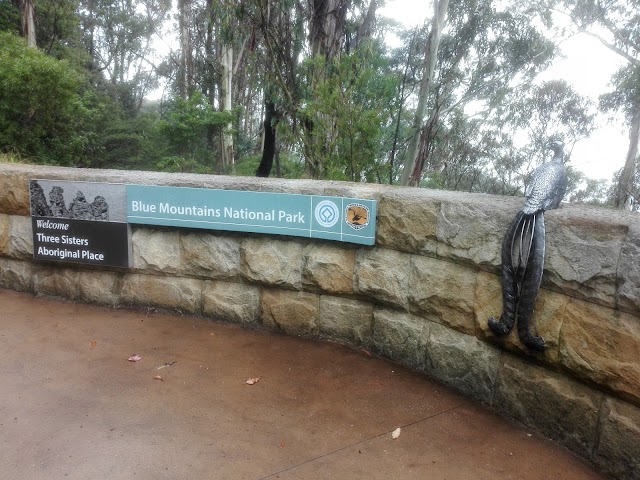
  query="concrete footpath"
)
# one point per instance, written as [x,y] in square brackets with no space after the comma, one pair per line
[73,407]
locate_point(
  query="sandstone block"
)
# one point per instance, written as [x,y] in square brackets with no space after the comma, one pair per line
[462,361]
[173,293]
[15,275]
[20,243]
[156,250]
[471,233]
[272,262]
[548,316]
[346,320]
[5,234]
[328,268]
[295,313]
[210,255]
[629,272]
[98,287]
[232,302]
[582,257]
[557,406]
[443,292]
[603,346]
[14,192]
[407,222]
[384,275]
[401,337]
[57,282]
[618,450]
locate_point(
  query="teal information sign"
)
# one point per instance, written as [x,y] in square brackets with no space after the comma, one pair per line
[332,218]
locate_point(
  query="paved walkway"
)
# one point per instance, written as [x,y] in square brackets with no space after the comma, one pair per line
[73,407]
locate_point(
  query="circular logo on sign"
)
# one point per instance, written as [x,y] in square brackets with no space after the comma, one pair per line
[327,213]
[357,216]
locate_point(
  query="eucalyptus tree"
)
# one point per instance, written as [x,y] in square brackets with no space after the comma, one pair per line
[620,20]
[486,53]
[119,35]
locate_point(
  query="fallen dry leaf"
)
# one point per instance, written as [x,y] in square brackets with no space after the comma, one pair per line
[396,433]
[158,377]
[282,443]
[93,344]
[135,358]
[165,365]
[253,381]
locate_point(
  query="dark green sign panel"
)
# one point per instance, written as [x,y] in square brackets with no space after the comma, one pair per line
[80,222]
[332,218]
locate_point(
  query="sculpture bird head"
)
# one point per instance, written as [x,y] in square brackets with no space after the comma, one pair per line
[558,150]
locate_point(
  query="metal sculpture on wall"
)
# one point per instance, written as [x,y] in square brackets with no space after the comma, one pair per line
[523,251]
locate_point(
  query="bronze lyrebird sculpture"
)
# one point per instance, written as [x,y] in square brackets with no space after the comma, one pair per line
[523,250]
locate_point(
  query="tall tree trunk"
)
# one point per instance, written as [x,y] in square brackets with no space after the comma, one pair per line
[185,75]
[326,30]
[428,68]
[624,190]
[365,30]
[269,140]
[226,103]
[326,34]
[28,22]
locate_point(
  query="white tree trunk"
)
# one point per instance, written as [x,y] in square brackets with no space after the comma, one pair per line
[624,196]
[28,23]
[440,8]
[227,104]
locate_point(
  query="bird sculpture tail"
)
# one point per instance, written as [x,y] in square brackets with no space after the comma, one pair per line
[522,266]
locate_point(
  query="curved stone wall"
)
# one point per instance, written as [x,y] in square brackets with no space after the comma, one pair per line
[421,296]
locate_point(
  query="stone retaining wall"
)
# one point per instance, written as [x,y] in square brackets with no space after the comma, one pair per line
[421,296]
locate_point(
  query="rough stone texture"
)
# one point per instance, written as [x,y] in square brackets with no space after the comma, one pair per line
[182,294]
[328,268]
[14,189]
[272,262]
[582,257]
[603,346]
[156,250]
[443,292]
[20,244]
[629,272]
[560,408]
[618,449]
[345,319]
[401,336]
[57,282]
[383,275]
[210,255]
[407,224]
[462,361]
[548,316]
[295,313]
[15,275]
[98,287]
[5,234]
[232,302]
[470,233]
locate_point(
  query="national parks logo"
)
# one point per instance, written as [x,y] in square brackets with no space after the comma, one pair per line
[357,216]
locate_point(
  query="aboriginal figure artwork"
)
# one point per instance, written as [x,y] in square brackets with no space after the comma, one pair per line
[523,251]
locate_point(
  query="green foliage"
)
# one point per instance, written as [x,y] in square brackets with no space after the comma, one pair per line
[290,166]
[351,117]
[9,17]
[42,114]
[190,128]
